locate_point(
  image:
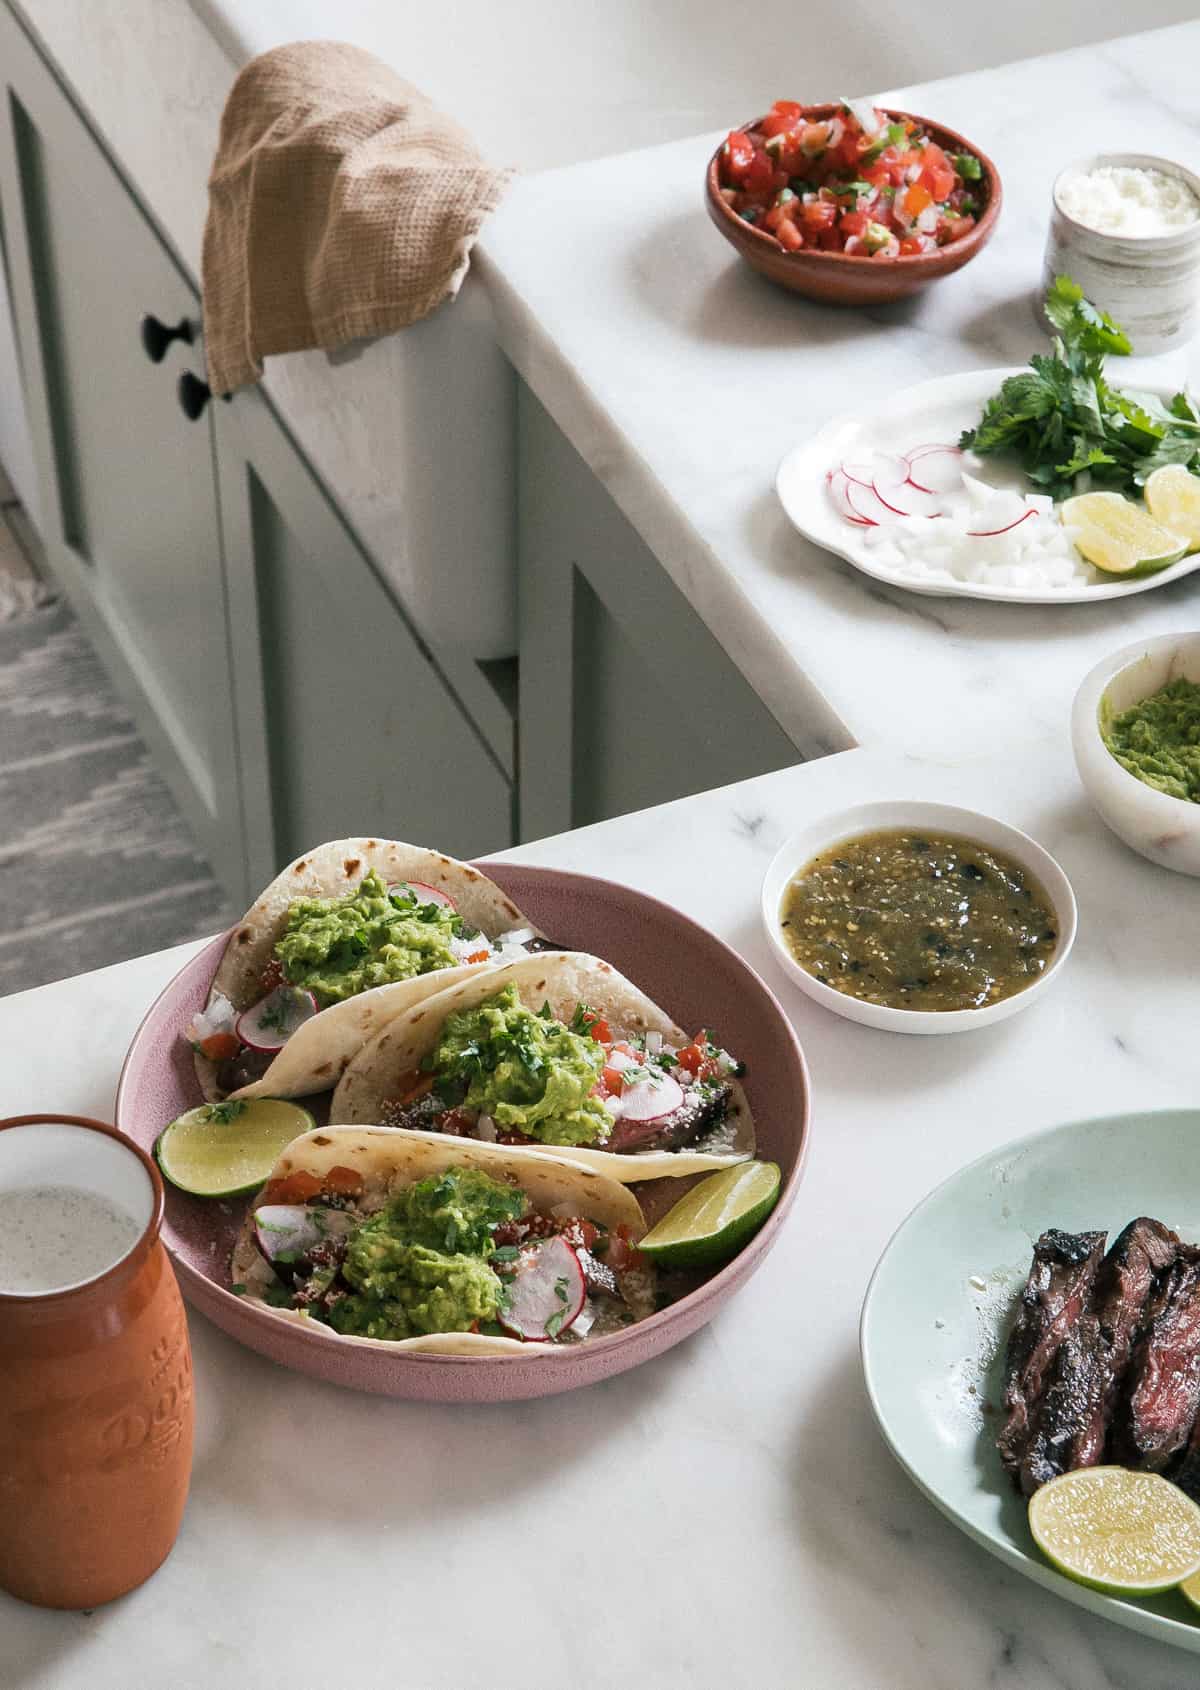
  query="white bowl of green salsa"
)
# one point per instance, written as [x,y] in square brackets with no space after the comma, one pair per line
[1135,728]
[918,917]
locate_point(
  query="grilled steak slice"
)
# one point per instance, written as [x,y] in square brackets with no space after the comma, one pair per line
[703,1107]
[1162,1388]
[1072,1423]
[1055,1296]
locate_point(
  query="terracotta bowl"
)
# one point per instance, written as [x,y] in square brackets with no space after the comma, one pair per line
[836,278]
[695,976]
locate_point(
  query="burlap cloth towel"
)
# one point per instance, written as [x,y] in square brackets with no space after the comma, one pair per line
[341,205]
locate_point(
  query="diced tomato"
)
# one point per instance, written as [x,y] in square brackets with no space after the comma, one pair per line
[622,1254]
[791,109]
[909,245]
[759,176]
[778,122]
[271,978]
[292,1188]
[937,173]
[341,1182]
[854,222]
[739,155]
[600,1031]
[580,1234]
[953,229]
[218,1047]
[817,216]
[789,237]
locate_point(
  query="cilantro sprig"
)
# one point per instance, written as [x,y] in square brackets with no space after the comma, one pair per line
[1069,429]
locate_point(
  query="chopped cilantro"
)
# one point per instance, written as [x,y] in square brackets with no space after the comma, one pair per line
[505,1253]
[554,1325]
[223,1113]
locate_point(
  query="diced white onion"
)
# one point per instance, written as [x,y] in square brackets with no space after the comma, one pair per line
[485,1128]
[517,936]
[584,1320]
[870,120]
[653,1043]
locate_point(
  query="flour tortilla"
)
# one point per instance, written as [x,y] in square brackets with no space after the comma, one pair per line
[564,979]
[389,1160]
[316,1054]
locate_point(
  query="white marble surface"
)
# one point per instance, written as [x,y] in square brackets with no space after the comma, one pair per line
[682,379]
[726,1516]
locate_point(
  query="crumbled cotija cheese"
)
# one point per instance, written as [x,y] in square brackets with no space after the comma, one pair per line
[1121,199]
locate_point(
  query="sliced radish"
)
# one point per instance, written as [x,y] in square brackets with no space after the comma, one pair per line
[650,1099]
[422,893]
[935,470]
[291,1230]
[838,486]
[270,1023]
[545,1296]
[866,505]
[860,470]
[890,472]
[990,533]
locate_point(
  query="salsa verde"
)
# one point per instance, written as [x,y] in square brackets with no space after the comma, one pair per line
[919,921]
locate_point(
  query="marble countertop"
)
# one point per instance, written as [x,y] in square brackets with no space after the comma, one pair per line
[726,1515]
[682,379]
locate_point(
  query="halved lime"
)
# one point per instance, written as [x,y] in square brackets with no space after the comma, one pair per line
[228,1149]
[1126,1533]
[1119,537]
[714,1219]
[1173,498]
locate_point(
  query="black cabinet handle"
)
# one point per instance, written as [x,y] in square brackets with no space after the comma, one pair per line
[156,337]
[194,395]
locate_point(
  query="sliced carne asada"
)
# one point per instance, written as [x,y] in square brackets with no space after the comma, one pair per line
[1055,1297]
[704,1105]
[1162,1385]
[1076,1411]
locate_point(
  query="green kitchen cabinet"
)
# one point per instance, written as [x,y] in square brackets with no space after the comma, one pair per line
[280,684]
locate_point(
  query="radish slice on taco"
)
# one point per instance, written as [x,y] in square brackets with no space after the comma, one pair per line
[560,1053]
[421,1242]
[358,931]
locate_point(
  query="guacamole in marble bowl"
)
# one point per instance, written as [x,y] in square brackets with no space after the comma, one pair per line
[1135,731]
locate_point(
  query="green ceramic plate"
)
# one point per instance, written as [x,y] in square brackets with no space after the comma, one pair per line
[939,1305]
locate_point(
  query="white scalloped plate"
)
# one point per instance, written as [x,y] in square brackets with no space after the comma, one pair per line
[932,410]
[937,1312]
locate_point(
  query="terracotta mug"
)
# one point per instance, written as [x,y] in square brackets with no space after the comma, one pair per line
[95,1386]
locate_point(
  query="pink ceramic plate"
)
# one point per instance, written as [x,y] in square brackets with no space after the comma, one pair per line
[696,977]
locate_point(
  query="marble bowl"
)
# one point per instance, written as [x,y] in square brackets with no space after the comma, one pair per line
[700,980]
[1163,829]
[830,830]
[836,278]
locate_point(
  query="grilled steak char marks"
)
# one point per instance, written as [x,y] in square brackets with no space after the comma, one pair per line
[1065,1265]
[1162,1387]
[1071,1425]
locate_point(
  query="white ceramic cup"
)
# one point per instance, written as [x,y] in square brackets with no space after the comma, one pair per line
[795,853]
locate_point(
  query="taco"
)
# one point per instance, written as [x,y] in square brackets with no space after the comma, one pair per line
[421,1242]
[346,938]
[561,1053]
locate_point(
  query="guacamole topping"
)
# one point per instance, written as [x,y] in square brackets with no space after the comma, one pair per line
[338,947]
[1158,740]
[528,1072]
[420,1264]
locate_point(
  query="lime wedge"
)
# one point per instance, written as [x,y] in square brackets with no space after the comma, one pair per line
[227,1149]
[1173,498]
[1129,1534]
[1191,1589]
[1120,537]
[714,1219]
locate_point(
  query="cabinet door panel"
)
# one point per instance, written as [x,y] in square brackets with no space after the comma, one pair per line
[129,497]
[345,724]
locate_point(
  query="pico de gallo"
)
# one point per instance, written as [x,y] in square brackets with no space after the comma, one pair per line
[858,182]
